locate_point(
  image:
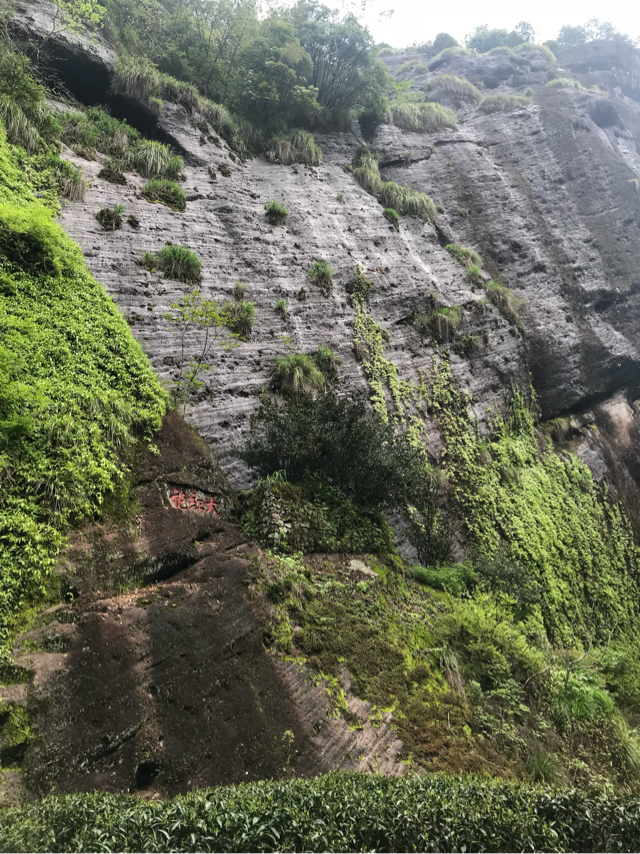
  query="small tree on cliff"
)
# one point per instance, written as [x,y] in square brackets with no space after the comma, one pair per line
[76,15]
[200,322]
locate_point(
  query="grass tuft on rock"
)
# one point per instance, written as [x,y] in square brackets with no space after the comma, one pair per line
[166,192]
[298,146]
[454,85]
[503,103]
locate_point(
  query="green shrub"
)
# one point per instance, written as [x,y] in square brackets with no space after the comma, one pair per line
[297,146]
[241,316]
[281,308]
[321,274]
[95,130]
[566,82]
[393,217]
[465,256]
[501,50]
[313,517]
[455,85]
[112,172]
[167,192]
[176,262]
[456,579]
[110,218]
[502,103]
[275,212]
[358,288]
[154,159]
[541,48]
[337,812]
[133,221]
[421,117]
[223,169]
[339,439]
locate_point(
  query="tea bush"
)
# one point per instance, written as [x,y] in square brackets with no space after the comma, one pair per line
[336,812]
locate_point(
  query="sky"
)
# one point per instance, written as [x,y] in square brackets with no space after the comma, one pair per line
[420,21]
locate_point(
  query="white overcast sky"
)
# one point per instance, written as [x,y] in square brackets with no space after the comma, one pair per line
[419,21]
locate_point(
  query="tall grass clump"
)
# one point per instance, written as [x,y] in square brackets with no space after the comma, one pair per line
[136,77]
[501,50]
[167,192]
[505,300]
[421,117]
[566,82]
[542,48]
[176,262]
[454,85]
[321,274]
[503,103]
[153,159]
[28,121]
[70,179]
[404,200]
[241,315]
[275,212]
[95,130]
[457,50]
[298,373]
[465,256]
[298,146]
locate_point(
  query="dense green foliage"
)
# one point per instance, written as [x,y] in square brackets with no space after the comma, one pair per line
[311,517]
[294,67]
[340,441]
[75,390]
[573,539]
[337,812]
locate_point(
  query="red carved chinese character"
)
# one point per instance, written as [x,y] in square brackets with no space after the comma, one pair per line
[177,499]
[192,501]
[212,505]
[200,504]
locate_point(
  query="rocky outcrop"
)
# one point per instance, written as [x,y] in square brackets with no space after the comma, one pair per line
[167,686]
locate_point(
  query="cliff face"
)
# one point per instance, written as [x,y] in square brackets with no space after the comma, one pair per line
[546,193]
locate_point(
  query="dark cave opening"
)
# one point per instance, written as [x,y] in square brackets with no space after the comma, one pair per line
[88,80]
